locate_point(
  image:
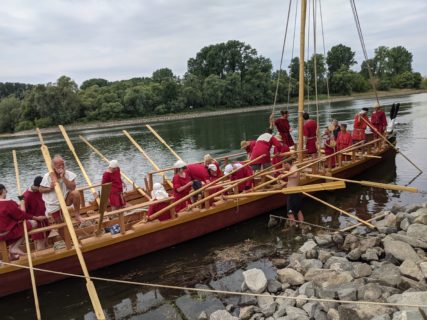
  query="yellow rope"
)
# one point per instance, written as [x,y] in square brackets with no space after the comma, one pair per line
[164,286]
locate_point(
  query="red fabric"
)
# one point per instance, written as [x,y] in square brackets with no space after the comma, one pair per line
[263,148]
[156,208]
[116,196]
[198,171]
[179,182]
[243,173]
[329,151]
[250,148]
[379,120]
[359,127]
[34,205]
[343,140]
[276,158]
[10,220]
[219,172]
[284,128]
[310,132]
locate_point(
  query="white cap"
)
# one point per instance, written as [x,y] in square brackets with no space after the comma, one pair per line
[159,192]
[179,164]
[228,168]
[212,167]
[113,164]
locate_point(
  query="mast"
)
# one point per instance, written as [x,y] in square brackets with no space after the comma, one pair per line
[301,80]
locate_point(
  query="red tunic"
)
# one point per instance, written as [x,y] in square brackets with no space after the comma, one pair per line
[152,209]
[116,193]
[198,171]
[284,128]
[359,127]
[379,121]
[250,148]
[34,205]
[262,147]
[277,158]
[243,173]
[343,140]
[179,182]
[328,151]
[310,132]
[10,221]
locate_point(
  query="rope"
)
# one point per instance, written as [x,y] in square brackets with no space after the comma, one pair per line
[324,49]
[292,55]
[281,58]
[362,42]
[308,56]
[164,286]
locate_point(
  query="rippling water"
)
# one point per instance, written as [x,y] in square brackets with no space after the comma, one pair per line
[195,261]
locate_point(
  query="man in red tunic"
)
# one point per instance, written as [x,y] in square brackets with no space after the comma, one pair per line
[182,184]
[310,134]
[279,153]
[11,224]
[262,147]
[159,193]
[242,173]
[359,126]
[344,140]
[198,171]
[283,127]
[34,205]
[113,175]
[329,145]
[379,119]
[248,146]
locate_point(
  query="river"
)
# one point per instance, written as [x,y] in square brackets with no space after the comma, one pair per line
[197,260]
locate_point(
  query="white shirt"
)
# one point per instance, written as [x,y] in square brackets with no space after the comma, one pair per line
[50,199]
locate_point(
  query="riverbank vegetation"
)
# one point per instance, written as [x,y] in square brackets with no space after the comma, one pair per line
[230,75]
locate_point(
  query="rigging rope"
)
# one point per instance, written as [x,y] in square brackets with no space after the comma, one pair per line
[292,56]
[315,75]
[308,56]
[324,49]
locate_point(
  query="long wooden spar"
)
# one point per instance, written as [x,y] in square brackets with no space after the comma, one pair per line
[27,240]
[96,304]
[138,188]
[153,164]
[163,141]
[301,79]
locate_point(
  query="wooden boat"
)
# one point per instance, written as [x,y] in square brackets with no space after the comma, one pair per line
[136,238]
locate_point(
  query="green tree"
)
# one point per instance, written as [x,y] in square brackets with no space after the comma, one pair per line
[163,75]
[192,90]
[399,60]
[94,82]
[10,110]
[294,69]
[339,57]
[213,90]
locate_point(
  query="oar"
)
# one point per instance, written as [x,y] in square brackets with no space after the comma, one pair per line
[359,224]
[163,141]
[153,164]
[82,169]
[392,145]
[27,240]
[338,209]
[367,183]
[138,188]
[96,304]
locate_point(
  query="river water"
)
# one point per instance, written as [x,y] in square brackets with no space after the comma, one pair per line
[198,260]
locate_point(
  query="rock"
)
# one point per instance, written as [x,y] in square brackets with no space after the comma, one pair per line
[255,280]
[389,221]
[308,245]
[418,214]
[300,301]
[279,262]
[340,264]
[417,230]
[165,311]
[338,239]
[203,316]
[404,224]
[413,207]
[149,300]
[310,264]
[323,239]
[361,270]
[410,269]
[422,219]
[229,307]
[266,266]
[387,274]
[382,317]
[324,255]
[307,289]
[272,222]
[191,308]
[354,254]
[417,298]
[408,283]
[319,274]
[273,286]
[267,305]
[400,250]
[288,275]
[123,309]
[296,313]
[295,261]
[423,268]
[370,255]
[247,301]
[222,315]
[368,243]
[359,312]
[369,292]
[333,314]
[329,288]
[351,242]
[416,243]
[246,312]
[311,254]
[408,315]
[347,291]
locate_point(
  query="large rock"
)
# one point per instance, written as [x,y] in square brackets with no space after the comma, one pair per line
[310,264]
[288,275]
[273,286]
[414,298]
[164,312]
[347,291]
[246,312]
[255,280]
[307,289]
[330,288]
[400,250]
[267,305]
[414,242]
[351,242]
[149,300]
[410,269]
[339,264]
[389,221]
[369,292]
[419,216]
[362,312]
[308,245]
[294,313]
[408,315]
[319,274]
[361,270]
[423,268]
[323,239]
[191,308]
[222,315]
[418,231]
[324,255]
[387,274]
[266,266]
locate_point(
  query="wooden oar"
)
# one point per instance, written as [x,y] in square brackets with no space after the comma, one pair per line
[153,164]
[138,188]
[359,224]
[163,141]
[338,209]
[82,169]
[96,304]
[27,240]
[367,183]
[103,203]
[291,190]
[391,144]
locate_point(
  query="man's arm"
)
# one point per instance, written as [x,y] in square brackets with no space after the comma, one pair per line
[70,184]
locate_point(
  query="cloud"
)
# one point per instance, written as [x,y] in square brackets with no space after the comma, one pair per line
[122,39]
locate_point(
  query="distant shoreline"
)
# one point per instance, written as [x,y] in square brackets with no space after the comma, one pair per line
[203,113]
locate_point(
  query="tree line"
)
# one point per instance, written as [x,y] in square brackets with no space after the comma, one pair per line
[230,74]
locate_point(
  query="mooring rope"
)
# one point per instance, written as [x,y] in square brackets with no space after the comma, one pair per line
[222,292]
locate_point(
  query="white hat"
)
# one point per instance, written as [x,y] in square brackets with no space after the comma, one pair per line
[228,168]
[179,164]
[212,167]
[159,192]
[113,164]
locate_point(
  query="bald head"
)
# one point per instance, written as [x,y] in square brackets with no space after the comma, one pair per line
[58,164]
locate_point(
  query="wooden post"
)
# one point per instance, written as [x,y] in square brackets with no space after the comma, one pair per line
[301,80]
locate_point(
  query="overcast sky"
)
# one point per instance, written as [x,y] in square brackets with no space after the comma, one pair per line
[83,39]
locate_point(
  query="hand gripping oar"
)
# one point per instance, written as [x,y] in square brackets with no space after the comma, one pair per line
[27,240]
[392,145]
[163,141]
[96,304]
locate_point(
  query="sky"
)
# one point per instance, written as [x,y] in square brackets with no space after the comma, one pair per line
[115,40]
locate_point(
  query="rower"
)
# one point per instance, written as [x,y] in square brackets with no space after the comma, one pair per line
[159,193]
[343,141]
[379,121]
[242,173]
[248,146]
[182,184]
[262,147]
[310,135]
[113,175]
[208,159]
[283,127]
[359,126]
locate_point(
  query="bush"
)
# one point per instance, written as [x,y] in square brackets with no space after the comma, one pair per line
[43,122]
[24,125]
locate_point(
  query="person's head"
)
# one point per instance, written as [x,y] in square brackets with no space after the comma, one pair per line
[158,192]
[364,111]
[3,191]
[207,159]
[244,144]
[343,127]
[37,181]
[180,166]
[212,169]
[377,106]
[288,163]
[58,164]
[228,168]
[305,116]
[284,114]
[114,165]
[335,123]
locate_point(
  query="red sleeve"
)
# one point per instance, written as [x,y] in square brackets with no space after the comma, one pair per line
[275,142]
[106,177]
[305,130]
[176,182]
[16,213]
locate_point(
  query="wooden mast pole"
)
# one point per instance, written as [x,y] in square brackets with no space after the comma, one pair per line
[301,80]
